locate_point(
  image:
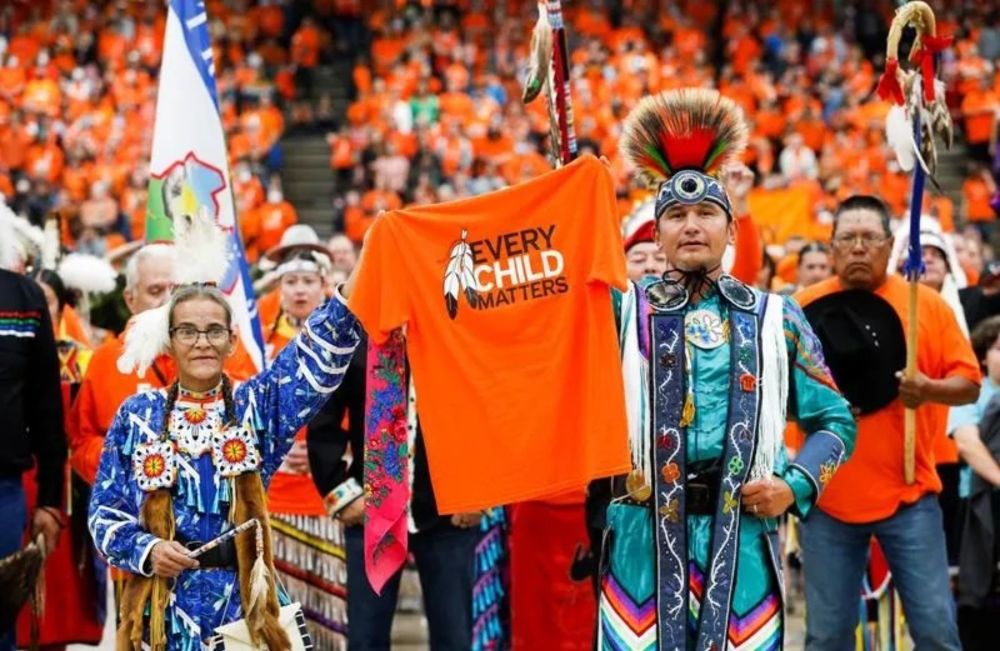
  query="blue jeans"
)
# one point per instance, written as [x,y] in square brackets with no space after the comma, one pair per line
[445,559]
[14,517]
[835,554]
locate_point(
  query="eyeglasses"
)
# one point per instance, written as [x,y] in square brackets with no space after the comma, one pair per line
[189,335]
[847,241]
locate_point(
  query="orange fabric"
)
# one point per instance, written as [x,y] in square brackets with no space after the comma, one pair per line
[14,143]
[979,109]
[780,214]
[269,306]
[289,493]
[541,327]
[945,448]
[977,197]
[103,390]
[870,485]
[749,256]
[305,47]
[274,219]
[71,327]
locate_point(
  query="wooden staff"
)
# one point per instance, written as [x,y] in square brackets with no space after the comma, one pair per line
[914,90]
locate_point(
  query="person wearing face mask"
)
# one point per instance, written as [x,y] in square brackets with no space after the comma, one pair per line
[272,218]
[249,194]
[309,546]
[692,530]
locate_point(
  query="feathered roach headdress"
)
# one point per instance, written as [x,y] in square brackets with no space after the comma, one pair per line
[679,139]
[201,255]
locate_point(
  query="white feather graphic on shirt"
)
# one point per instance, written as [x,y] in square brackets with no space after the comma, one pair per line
[458,276]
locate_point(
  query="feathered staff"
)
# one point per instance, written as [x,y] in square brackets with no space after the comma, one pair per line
[918,117]
[549,71]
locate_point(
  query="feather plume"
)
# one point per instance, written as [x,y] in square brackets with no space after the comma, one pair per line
[941,116]
[146,338]
[50,245]
[899,136]
[87,273]
[202,249]
[20,241]
[689,128]
[458,276]
[258,585]
[540,63]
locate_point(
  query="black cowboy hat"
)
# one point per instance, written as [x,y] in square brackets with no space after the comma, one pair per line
[864,346]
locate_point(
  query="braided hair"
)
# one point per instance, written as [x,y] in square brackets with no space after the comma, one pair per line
[229,413]
[172,394]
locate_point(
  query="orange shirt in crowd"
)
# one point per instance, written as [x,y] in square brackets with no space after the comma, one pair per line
[979,108]
[536,323]
[273,218]
[871,486]
[976,193]
[305,47]
[103,390]
[748,250]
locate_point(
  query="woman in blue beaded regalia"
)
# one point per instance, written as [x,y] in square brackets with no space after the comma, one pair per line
[691,557]
[184,465]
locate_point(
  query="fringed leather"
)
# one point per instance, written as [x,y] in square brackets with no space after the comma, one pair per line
[262,618]
[157,517]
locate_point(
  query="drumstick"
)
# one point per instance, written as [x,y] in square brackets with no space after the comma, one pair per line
[215,542]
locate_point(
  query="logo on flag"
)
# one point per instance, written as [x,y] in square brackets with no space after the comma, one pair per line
[189,165]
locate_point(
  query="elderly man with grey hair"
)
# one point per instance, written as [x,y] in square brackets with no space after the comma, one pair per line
[149,276]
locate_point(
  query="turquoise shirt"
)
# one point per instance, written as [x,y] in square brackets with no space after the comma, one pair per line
[814,403]
[970,414]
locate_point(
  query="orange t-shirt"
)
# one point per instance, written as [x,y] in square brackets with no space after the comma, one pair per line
[103,390]
[976,194]
[979,108]
[514,394]
[870,485]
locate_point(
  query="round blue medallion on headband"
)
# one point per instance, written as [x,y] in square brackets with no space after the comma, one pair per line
[690,187]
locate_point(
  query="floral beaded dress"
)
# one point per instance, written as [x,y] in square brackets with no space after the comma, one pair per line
[272,407]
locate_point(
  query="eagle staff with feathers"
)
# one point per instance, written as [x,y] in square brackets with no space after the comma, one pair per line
[918,117]
[711,367]
[185,465]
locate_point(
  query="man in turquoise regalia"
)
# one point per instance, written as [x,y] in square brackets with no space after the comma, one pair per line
[712,368]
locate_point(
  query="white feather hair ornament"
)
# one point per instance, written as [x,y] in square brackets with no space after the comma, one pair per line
[201,251]
[20,241]
[87,274]
[146,338]
[51,247]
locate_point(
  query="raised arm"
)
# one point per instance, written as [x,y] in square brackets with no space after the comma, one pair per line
[288,394]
